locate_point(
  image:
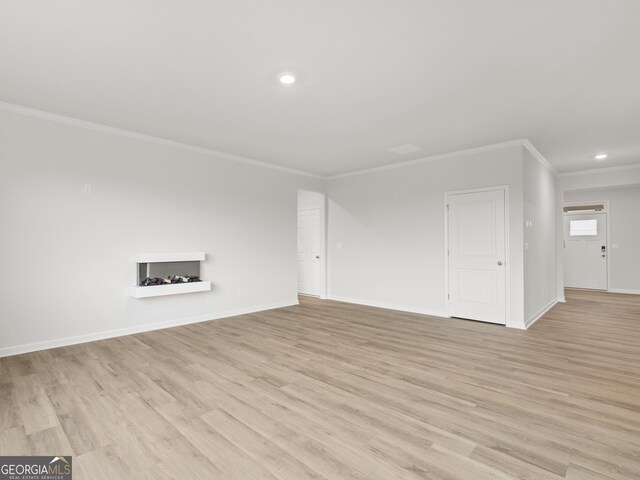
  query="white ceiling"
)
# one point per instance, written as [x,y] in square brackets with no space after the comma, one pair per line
[444,75]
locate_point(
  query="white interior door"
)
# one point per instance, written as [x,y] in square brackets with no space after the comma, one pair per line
[477,256]
[309,252]
[585,251]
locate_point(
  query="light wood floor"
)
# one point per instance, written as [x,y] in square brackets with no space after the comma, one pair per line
[328,390]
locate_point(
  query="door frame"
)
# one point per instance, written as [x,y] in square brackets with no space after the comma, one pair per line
[322,266]
[607,212]
[507,252]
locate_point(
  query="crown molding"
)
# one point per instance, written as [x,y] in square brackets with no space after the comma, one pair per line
[433,158]
[54,117]
[590,171]
[75,122]
[521,142]
[538,156]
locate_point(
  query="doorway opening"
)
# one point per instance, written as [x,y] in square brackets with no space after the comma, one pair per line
[311,244]
[621,204]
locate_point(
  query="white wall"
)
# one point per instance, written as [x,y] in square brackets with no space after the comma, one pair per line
[311,200]
[605,178]
[308,199]
[624,220]
[539,238]
[386,230]
[67,256]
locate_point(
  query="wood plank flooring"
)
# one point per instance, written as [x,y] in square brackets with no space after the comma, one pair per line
[327,390]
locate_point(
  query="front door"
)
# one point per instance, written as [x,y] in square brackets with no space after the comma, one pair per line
[585,251]
[477,256]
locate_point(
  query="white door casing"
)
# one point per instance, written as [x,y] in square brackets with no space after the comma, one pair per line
[585,261]
[477,269]
[309,252]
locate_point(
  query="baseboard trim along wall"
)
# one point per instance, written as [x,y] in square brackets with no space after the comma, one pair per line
[148,327]
[542,311]
[621,290]
[388,306]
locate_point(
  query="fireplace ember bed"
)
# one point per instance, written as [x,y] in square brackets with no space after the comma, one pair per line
[159,274]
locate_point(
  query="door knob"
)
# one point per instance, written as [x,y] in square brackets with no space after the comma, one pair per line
[499,262]
[317,256]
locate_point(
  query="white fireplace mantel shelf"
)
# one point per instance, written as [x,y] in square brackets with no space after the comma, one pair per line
[170,289]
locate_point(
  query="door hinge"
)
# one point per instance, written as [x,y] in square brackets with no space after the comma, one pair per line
[448,297]
[447,208]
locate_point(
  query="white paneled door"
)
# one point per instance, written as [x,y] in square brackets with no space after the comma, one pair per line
[309,252]
[477,256]
[585,251]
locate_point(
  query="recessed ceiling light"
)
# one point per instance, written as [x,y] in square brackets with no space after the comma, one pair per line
[287,78]
[600,156]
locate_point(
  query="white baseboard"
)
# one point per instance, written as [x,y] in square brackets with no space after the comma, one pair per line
[388,306]
[628,292]
[562,300]
[536,316]
[515,326]
[92,337]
